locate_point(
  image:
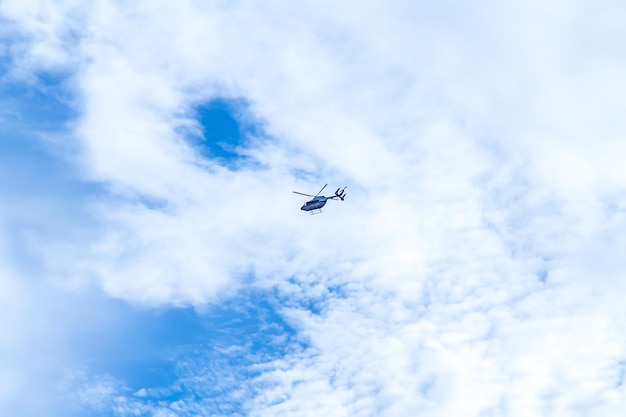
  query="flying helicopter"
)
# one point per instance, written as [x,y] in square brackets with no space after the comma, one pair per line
[315,205]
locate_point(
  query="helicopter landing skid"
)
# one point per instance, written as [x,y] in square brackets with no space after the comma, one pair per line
[316,211]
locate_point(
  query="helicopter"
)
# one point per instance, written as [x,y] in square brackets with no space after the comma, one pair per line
[315,205]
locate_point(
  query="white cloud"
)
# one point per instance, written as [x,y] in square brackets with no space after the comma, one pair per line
[481,145]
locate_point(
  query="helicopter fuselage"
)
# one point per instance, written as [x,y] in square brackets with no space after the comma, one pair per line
[315,204]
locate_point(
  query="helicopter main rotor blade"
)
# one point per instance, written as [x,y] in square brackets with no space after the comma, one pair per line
[308,195]
[320,191]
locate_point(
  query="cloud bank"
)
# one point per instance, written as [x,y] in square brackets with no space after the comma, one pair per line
[475,267]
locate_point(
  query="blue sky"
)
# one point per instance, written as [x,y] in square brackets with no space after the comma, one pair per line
[154,262]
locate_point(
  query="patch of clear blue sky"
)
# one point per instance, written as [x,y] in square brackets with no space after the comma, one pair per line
[180,354]
[227,127]
[41,193]
[29,111]
[147,344]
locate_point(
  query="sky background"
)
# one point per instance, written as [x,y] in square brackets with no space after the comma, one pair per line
[154,262]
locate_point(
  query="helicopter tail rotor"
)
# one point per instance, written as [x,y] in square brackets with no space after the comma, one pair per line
[341,193]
